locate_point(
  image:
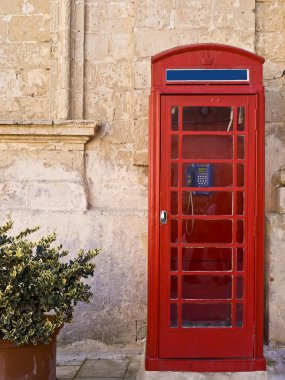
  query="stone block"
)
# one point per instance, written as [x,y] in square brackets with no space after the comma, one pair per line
[141,134]
[121,46]
[270,16]
[150,42]
[34,107]
[279,200]
[141,103]
[117,75]
[242,38]
[272,70]
[8,56]
[274,153]
[40,6]
[34,82]
[133,368]
[154,14]
[97,47]
[281,179]
[56,196]
[66,372]
[193,14]
[141,329]
[33,55]
[142,74]
[140,158]
[10,108]
[274,105]
[11,7]
[109,106]
[41,165]
[104,368]
[9,83]
[123,105]
[3,29]
[238,15]
[267,46]
[115,16]
[121,132]
[29,28]
[100,106]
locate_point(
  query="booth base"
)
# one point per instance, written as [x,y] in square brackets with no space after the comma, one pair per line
[172,375]
[155,375]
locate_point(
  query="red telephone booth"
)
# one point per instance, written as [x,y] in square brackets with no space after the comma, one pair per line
[205,296]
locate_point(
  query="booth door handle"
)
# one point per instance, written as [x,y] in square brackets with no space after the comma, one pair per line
[163,217]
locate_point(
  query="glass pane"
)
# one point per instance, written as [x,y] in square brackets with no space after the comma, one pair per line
[174,175]
[206,315]
[173,287]
[174,146]
[216,203]
[174,118]
[239,287]
[173,259]
[206,287]
[240,175]
[239,315]
[174,231]
[207,119]
[206,259]
[239,259]
[207,147]
[207,231]
[240,147]
[174,203]
[220,175]
[240,202]
[239,236]
[173,315]
[240,122]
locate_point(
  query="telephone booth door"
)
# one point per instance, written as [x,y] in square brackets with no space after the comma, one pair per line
[206,251]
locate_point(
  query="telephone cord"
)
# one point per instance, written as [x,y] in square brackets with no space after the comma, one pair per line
[190,200]
[231,120]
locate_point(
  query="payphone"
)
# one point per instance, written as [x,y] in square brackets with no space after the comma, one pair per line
[199,175]
[206,173]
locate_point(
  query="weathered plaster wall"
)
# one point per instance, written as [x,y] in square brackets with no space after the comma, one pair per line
[90,59]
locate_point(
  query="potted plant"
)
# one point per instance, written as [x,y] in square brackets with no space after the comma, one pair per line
[38,292]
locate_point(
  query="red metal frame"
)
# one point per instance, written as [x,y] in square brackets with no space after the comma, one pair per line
[206,56]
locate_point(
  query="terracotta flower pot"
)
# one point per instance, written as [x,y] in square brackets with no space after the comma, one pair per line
[28,362]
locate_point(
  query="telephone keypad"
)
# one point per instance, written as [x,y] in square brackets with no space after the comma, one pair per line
[202,179]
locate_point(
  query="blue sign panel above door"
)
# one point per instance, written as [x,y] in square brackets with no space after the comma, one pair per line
[207,75]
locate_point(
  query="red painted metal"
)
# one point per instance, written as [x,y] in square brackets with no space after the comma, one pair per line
[230,348]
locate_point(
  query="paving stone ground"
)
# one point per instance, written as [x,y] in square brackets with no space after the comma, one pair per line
[97,369]
[86,366]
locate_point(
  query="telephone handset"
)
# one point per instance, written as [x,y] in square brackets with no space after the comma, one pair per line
[199,175]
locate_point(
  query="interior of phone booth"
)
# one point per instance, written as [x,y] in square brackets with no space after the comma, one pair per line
[203,145]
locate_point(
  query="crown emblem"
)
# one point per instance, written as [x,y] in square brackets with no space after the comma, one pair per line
[207,58]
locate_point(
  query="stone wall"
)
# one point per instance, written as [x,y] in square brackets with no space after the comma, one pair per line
[270,39]
[65,60]
[24,63]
